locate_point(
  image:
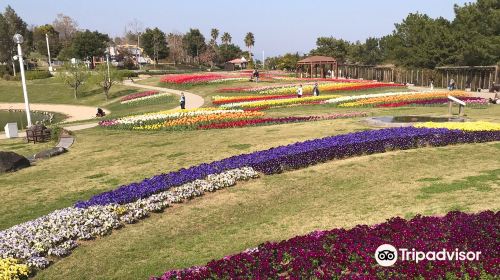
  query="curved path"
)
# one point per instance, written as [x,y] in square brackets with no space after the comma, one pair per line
[81,113]
[193,101]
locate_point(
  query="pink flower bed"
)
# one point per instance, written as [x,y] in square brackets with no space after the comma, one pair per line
[139,95]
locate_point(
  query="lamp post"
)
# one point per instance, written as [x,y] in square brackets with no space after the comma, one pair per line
[107,63]
[18,39]
[48,51]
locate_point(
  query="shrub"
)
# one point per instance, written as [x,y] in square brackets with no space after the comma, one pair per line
[33,75]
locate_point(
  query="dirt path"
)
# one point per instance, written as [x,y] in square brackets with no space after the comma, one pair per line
[193,101]
[73,112]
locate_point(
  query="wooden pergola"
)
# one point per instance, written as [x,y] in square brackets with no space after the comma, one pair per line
[315,65]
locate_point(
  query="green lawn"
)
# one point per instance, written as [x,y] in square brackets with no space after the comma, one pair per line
[343,193]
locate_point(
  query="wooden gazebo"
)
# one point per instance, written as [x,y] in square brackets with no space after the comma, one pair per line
[314,65]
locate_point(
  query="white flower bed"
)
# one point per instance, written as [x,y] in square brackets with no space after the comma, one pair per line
[55,234]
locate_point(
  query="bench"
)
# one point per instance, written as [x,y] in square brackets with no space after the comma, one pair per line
[38,133]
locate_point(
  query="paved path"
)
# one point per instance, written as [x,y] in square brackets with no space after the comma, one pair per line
[193,101]
[80,113]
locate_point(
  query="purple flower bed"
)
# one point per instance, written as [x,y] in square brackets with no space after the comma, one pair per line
[349,254]
[298,155]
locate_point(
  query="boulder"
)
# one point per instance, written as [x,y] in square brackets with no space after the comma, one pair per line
[10,161]
[50,153]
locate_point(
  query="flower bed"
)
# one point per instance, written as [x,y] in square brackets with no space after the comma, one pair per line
[413,97]
[349,254]
[159,117]
[220,100]
[186,79]
[325,86]
[194,122]
[142,97]
[267,121]
[10,269]
[467,126]
[297,155]
[265,104]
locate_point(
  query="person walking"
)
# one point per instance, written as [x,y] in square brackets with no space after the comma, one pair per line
[183,101]
[256,75]
[316,89]
[299,91]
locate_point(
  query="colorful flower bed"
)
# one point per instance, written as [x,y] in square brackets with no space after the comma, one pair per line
[142,97]
[267,121]
[297,156]
[159,117]
[413,97]
[467,126]
[220,100]
[349,254]
[308,87]
[194,122]
[187,79]
[280,102]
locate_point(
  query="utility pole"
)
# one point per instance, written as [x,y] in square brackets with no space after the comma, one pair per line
[263,60]
[48,51]
[138,50]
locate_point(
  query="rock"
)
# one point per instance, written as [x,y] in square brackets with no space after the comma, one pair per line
[50,152]
[10,161]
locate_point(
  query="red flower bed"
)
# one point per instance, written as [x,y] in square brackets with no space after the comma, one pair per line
[350,254]
[195,78]
[139,95]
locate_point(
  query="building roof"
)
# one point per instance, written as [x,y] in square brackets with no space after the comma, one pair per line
[317,59]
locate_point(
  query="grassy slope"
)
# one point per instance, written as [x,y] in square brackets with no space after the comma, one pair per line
[364,190]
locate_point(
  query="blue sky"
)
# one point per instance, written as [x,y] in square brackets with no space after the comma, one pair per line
[279,26]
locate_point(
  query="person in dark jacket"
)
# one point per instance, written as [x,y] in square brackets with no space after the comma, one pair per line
[316,90]
[183,101]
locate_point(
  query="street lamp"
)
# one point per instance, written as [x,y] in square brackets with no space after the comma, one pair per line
[48,51]
[107,63]
[18,39]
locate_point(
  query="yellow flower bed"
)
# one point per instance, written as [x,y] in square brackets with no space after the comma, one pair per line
[467,126]
[403,98]
[307,88]
[10,269]
[194,121]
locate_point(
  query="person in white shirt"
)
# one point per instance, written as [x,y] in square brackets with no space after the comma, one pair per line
[183,101]
[299,91]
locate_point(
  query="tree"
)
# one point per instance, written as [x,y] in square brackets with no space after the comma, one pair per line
[329,46]
[228,52]
[40,43]
[154,43]
[208,56]
[176,50]
[214,33]
[103,80]
[12,24]
[226,38]
[66,27]
[477,33]
[74,76]
[88,44]
[249,43]
[194,42]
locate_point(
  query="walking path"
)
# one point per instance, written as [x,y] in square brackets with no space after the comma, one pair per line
[193,101]
[81,113]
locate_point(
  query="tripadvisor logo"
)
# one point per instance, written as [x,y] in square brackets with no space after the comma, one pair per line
[387,255]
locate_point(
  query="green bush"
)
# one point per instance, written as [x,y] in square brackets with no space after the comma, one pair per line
[33,75]
[127,73]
